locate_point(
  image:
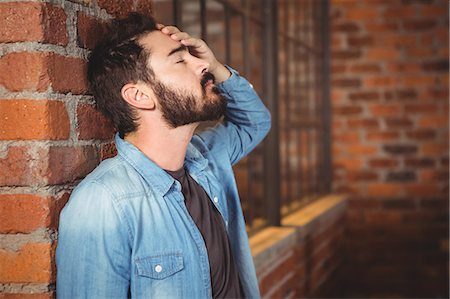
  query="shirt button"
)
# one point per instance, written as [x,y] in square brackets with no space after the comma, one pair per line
[215,199]
[158,268]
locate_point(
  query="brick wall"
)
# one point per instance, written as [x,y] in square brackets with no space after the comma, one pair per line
[50,134]
[390,143]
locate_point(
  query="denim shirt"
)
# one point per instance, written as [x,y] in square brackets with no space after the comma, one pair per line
[126,231]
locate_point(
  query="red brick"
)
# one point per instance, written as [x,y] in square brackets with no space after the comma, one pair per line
[403,67]
[338,69]
[24,71]
[395,122]
[346,27]
[440,65]
[92,124]
[32,263]
[347,110]
[383,217]
[400,40]
[424,189]
[359,14]
[419,52]
[421,108]
[382,54]
[385,189]
[419,162]
[364,123]
[432,175]
[401,176]
[364,96]
[33,120]
[365,68]
[63,81]
[57,204]
[434,121]
[117,8]
[399,12]
[362,175]
[415,81]
[382,27]
[360,149]
[28,21]
[380,81]
[67,164]
[419,25]
[383,163]
[285,267]
[400,149]
[89,30]
[345,54]
[433,11]
[36,71]
[336,42]
[421,134]
[346,82]
[433,149]
[13,207]
[378,110]
[435,93]
[352,137]
[350,164]
[22,167]
[360,41]
[382,136]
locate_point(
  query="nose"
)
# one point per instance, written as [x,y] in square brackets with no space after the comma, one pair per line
[200,66]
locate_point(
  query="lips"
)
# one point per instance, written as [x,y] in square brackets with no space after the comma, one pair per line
[207,79]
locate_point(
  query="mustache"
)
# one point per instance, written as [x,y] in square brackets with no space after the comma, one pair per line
[207,77]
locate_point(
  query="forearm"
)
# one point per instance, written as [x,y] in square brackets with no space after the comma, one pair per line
[247,121]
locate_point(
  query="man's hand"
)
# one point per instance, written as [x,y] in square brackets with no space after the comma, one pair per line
[200,49]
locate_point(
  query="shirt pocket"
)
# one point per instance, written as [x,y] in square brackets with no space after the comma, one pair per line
[160,266]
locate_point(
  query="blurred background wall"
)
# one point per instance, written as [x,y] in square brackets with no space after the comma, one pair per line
[390,143]
[387,236]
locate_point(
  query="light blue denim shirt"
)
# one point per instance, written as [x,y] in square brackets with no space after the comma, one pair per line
[126,231]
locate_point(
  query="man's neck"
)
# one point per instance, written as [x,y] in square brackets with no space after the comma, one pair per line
[164,146]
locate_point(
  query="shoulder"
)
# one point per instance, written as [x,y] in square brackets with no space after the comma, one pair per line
[115,177]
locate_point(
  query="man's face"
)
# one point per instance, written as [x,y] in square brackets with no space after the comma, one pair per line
[184,88]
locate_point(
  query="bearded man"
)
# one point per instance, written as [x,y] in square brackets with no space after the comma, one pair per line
[162,219]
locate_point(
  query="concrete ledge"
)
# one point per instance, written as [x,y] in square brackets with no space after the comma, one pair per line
[327,206]
[273,241]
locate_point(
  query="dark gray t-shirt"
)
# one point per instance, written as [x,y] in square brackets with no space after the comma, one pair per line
[224,276]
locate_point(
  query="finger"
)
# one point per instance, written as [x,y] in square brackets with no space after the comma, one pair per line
[192,42]
[180,36]
[159,26]
[170,30]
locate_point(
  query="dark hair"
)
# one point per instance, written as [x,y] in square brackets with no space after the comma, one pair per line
[119,59]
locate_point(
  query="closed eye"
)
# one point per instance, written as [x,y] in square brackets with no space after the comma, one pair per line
[180,61]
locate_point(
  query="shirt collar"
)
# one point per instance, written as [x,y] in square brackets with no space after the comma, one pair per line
[154,175]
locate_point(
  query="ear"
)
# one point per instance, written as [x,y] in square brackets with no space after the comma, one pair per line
[138,95]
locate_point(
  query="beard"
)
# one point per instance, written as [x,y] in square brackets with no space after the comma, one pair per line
[180,108]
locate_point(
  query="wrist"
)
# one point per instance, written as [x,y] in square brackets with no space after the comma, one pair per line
[220,72]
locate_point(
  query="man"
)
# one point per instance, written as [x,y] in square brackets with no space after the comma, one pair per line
[162,219]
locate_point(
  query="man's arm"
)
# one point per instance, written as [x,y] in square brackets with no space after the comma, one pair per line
[93,253]
[247,121]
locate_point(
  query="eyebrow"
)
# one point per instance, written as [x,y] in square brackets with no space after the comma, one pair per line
[179,49]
